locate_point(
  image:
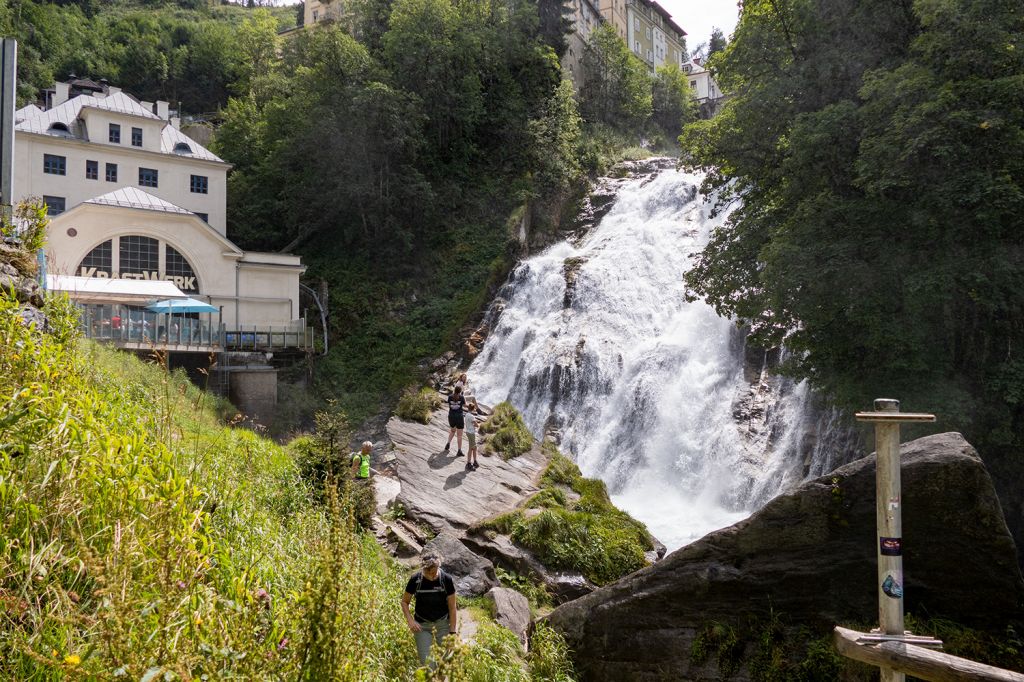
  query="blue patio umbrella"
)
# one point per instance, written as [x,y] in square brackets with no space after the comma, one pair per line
[181,305]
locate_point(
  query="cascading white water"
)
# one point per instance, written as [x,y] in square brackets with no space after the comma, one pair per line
[596,344]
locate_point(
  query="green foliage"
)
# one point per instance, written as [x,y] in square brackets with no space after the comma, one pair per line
[721,641]
[549,656]
[673,104]
[509,435]
[143,539]
[418,405]
[535,592]
[882,192]
[616,90]
[181,52]
[586,534]
[1003,650]
[29,229]
[324,455]
[717,42]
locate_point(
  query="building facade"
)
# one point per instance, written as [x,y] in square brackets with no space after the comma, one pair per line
[705,90]
[317,11]
[652,35]
[132,198]
[586,16]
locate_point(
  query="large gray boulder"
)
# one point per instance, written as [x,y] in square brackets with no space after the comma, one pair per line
[511,610]
[473,575]
[809,559]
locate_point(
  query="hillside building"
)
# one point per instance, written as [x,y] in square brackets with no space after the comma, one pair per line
[705,90]
[133,199]
[586,16]
[652,35]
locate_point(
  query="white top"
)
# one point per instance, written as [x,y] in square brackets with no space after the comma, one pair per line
[470,423]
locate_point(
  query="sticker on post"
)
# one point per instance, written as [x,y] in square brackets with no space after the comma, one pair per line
[892,588]
[890,546]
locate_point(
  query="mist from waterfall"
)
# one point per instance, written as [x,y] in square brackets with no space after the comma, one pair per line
[596,345]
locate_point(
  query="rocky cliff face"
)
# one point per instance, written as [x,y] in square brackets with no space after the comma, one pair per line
[809,558]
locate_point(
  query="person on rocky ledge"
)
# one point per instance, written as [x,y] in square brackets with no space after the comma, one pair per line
[361,463]
[456,418]
[436,612]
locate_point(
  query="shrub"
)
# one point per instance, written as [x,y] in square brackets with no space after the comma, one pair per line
[549,656]
[417,406]
[510,436]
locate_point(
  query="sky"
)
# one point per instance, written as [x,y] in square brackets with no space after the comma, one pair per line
[698,17]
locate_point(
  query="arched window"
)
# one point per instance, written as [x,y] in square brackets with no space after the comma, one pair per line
[178,270]
[182,148]
[60,129]
[98,262]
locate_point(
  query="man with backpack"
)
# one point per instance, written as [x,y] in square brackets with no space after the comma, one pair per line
[435,614]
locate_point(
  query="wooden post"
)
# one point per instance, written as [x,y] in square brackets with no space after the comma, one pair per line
[889,517]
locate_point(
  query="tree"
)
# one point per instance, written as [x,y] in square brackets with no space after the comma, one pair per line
[616,90]
[717,43]
[672,99]
[882,191]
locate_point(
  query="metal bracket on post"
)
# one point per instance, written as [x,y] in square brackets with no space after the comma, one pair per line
[889,517]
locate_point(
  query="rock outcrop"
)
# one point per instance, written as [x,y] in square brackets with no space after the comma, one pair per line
[511,610]
[809,557]
[439,491]
[473,575]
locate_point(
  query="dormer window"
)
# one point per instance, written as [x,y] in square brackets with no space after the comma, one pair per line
[182,148]
[60,129]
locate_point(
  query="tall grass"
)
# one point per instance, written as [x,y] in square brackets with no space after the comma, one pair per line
[143,538]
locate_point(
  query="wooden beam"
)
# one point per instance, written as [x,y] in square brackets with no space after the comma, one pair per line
[918,661]
[894,417]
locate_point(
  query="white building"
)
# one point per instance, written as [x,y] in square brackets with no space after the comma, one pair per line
[706,91]
[132,198]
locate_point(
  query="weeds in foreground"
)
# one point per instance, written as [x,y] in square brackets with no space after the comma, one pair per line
[144,539]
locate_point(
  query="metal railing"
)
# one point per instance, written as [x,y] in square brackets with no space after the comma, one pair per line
[258,338]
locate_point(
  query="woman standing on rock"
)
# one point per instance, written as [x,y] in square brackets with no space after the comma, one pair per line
[456,418]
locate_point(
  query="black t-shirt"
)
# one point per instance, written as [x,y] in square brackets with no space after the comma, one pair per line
[432,596]
[456,405]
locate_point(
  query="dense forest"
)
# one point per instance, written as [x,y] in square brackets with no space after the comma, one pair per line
[876,152]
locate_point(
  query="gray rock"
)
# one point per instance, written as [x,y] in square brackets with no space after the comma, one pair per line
[562,586]
[439,491]
[511,610]
[809,558]
[473,575]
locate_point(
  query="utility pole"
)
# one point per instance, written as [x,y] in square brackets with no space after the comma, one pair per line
[889,518]
[8,88]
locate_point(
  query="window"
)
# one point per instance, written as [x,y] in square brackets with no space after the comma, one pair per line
[147,177]
[99,259]
[204,216]
[182,148]
[636,23]
[92,170]
[59,129]
[136,137]
[648,55]
[115,133]
[693,84]
[54,205]
[55,165]
[139,255]
[180,271]
[111,172]
[647,32]
[198,184]
[636,47]
[316,14]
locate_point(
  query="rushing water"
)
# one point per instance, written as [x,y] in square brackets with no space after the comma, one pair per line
[597,346]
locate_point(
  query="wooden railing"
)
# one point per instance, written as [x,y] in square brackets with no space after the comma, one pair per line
[911,659]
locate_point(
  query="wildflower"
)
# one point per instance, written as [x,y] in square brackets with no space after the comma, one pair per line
[72,659]
[282,644]
[181,585]
[261,594]
[55,654]
[198,621]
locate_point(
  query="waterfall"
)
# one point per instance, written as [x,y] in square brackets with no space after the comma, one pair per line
[596,345]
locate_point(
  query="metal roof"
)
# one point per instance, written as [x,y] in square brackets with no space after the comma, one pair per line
[32,119]
[130,197]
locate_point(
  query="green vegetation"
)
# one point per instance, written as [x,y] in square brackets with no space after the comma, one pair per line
[183,51]
[145,539]
[877,154]
[509,436]
[577,531]
[417,406]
